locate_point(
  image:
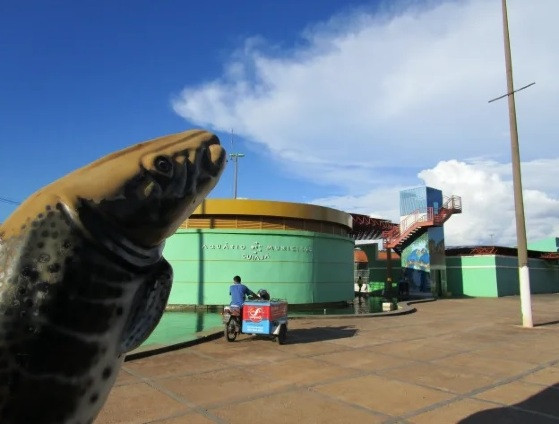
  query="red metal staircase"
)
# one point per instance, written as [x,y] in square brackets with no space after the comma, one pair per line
[417,221]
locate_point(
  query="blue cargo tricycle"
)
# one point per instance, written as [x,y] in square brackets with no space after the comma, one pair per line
[257,316]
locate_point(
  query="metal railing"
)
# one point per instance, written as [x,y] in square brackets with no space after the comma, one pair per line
[418,219]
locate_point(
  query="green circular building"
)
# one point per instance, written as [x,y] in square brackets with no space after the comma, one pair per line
[297,252]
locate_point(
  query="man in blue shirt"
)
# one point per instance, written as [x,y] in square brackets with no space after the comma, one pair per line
[239,291]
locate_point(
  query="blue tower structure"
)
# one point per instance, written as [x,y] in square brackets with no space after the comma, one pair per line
[419,238]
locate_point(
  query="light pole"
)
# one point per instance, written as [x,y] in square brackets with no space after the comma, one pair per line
[523,271]
[235,158]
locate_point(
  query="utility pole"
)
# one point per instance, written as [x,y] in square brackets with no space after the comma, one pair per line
[235,158]
[523,271]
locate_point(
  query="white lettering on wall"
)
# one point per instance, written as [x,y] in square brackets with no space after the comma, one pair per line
[255,251]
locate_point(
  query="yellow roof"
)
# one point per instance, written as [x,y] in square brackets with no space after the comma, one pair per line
[249,207]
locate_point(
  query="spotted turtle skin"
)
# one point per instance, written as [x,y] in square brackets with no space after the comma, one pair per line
[82,276]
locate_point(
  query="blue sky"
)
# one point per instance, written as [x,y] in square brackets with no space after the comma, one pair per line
[340,103]
[81,79]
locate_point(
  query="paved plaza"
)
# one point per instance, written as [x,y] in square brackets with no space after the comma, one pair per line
[452,361]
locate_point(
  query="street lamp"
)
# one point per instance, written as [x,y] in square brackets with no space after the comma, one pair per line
[235,158]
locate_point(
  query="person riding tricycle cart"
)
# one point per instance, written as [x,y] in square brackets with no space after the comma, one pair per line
[258,315]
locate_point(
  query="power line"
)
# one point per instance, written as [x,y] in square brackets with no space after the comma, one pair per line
[10,201]
[511,93]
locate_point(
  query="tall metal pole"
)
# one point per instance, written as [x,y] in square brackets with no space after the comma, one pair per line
[235,157]
[523,271]
[235,178]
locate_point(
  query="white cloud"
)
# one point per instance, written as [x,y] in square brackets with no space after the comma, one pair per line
[486,190]
[365,97]
[410,87]
[488,204]
[380,202]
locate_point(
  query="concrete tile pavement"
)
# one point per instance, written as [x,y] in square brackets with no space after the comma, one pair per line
[455,360]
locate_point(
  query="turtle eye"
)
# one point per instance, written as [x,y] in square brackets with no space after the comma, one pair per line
[162,164]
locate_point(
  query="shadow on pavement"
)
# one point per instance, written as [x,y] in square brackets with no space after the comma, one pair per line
[318,334]
[541,408]
[543,324]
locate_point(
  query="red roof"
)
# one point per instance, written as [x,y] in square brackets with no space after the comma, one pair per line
[360,256]
[382,256]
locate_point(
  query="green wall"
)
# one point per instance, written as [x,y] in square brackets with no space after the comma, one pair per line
[550,244]
[544,276]
[493,276]
[471,276]
[300,266]
[507,275]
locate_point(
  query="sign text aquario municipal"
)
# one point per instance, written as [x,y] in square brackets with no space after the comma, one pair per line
[257,251]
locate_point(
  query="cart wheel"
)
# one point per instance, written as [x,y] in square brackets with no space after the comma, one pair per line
[230,333]
[282,335]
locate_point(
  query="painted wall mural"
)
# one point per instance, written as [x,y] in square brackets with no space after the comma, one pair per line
[416,264]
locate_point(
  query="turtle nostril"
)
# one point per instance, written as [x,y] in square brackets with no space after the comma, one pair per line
[213,159]
[217,154]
